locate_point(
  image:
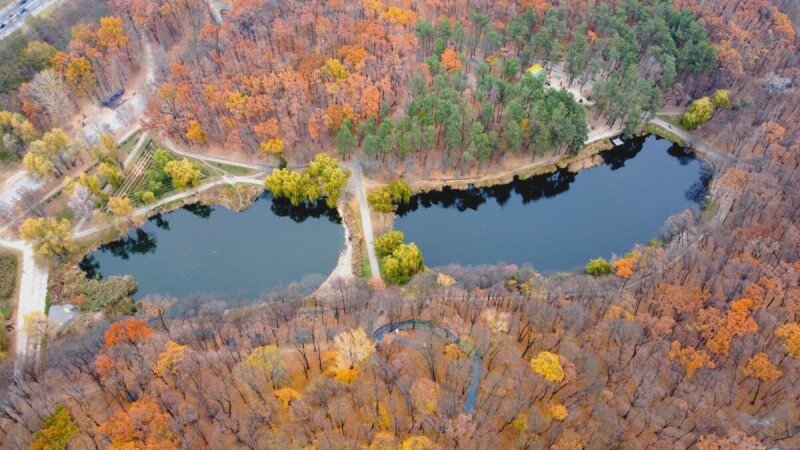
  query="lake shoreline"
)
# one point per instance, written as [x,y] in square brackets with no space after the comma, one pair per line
[454,222]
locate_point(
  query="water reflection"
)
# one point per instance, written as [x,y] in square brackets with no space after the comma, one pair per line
[201,248]
[559,220]
[284,208]
[548,185]
[200,210]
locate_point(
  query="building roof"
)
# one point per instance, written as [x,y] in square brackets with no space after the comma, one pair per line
[537,70]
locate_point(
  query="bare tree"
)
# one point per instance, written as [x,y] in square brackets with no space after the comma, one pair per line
[31,201]
[50,91]
[81,202]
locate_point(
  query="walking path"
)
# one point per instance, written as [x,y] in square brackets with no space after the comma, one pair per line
[32,295]
[356,184]
[694,142]
[412,324]
[173,147]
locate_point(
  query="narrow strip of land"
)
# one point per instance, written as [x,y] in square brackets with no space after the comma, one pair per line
[356,185]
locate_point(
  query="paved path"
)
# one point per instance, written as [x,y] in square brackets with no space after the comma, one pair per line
[356,184]
[174,148]
[412,324]
[144,210]
[694,142]
[32,295]
[135,150]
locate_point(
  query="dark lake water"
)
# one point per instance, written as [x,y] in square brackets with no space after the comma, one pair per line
[559,221]
[236,255]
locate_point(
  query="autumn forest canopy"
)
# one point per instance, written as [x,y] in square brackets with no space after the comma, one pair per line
[689,341]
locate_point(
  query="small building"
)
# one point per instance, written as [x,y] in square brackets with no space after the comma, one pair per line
[537,71]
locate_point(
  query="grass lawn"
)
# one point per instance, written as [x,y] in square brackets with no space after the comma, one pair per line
[666,134]
[9,271]
[366,271]
[127,145]
[231,169]
[675,121]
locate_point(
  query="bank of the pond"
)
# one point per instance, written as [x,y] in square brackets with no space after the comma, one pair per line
[588,157]
[215,250]
[559,219]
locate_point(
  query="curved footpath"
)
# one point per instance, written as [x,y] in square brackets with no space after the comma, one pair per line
[412,324]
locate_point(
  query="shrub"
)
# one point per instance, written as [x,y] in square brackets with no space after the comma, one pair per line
[111,295]
[699,112]
[386,198]
[599,267]
[404,262]
[388,242]
[721,97]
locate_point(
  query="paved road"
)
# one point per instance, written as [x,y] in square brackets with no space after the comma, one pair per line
[356,184]
[32,8]
[32,296]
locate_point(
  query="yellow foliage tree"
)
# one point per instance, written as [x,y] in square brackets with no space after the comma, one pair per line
[417,443]
[721,97]
[195,133]
[236,103]
[335,68]
[558,412]
[80,74]
[286,395]
[699,112]
[520,423]
[759,366]
[690,358]
[383,441]
[547,365]
[119,206]
[790,333]
[172,355]
[273,146]
[50,237]
[184,173]
[38,166]
[354,346]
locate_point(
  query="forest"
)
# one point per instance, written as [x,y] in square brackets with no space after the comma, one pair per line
[691,342]
[423,77]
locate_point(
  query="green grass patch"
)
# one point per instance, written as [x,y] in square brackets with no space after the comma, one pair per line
[6,158]
[662,133]
[366,271]
[675,121]
[231,169]
[127,145]
[9,272]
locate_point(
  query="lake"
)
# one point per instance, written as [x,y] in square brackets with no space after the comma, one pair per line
[234,255]
[561,220]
